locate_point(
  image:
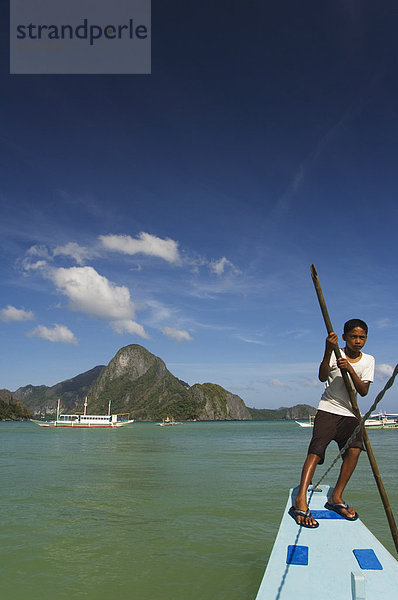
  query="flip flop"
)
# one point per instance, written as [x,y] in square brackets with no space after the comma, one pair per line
[339,507]
[295,512]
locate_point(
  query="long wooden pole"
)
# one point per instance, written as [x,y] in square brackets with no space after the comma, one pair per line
[352,395]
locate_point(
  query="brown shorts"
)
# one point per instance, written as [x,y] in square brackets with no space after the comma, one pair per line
[328,427]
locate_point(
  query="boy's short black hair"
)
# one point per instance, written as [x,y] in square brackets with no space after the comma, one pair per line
[352,323]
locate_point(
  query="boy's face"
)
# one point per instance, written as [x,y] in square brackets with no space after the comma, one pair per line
[355,339]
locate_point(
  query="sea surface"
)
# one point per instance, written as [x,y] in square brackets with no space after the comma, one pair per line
[159,513]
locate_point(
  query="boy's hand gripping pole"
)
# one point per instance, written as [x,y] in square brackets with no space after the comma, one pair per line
[353,399]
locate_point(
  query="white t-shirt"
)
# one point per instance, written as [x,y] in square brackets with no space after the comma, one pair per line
[335,398]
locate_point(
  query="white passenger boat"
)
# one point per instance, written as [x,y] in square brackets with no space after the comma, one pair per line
[85,420]
[340,559]
[382,421]
[376,421]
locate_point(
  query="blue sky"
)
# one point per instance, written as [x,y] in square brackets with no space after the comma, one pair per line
[182,210]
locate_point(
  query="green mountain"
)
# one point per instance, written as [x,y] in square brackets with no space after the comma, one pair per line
[299,411]
[12,409]
[138,382]
[42,400]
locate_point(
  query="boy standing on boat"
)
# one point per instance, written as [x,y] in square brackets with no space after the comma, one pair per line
[335,419]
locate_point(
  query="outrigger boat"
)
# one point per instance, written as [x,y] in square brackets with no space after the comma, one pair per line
[309,423]
[340,559]
[376,421]
[85,420]
[382,421]
[169,421]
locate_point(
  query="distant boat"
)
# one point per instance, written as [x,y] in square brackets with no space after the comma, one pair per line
[382,421]
[168,421]
[85,420]
[309,423]
[339,559]
[376,421]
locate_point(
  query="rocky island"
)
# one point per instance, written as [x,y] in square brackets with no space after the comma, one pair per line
[137,382]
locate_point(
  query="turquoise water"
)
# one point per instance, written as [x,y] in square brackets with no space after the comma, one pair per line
[158,513]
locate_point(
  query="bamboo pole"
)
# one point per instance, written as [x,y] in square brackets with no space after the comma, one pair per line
[352,395]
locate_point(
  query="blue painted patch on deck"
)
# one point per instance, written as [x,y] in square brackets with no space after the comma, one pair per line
[297,555]
[367,559]
[325,514]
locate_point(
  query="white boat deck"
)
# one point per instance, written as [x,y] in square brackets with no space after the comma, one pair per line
[340,559]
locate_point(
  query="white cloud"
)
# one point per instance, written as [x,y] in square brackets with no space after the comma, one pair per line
[218,266]
[40,251]
[180,335]
[10,313]
[37,257]
[59,333]
[243,388]
[312,383]
[159,312]
[129,326]
[295,333]
[383,323]
[146,243]
[78,253]
[248,340]
[277,383]
[28,265]
[91,293]
[384,370]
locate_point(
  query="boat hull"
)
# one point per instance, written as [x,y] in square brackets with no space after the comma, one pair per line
[325,562]
[82,426]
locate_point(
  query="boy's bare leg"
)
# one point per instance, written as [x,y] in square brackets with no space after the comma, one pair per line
[306,476]
[347,469]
